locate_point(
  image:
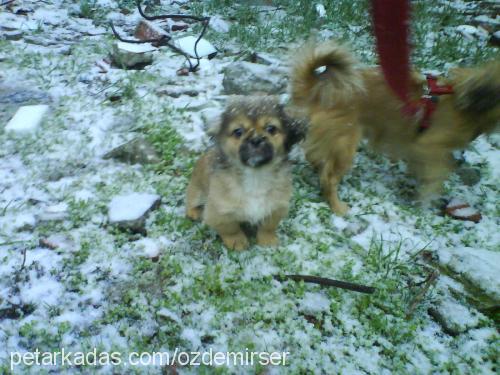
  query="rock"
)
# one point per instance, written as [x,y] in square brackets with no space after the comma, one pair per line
[132,56]
[131,210]
[11,98]
[243,78]
[495,38]
[471,32]
[263,58]
[146,30]
[469,176]
[27,119]
[219,25]
[39,40]
[57,241]
[453,317]
[462,211]
[56,212]
[176,92]
[354,228]
[182,72]
[148,247]
[24,222]
[136,151]
[180,26]
[12,35]
[320,10]
[204,47]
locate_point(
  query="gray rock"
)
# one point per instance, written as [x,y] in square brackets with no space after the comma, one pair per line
[453,317]
[136,151]
[130,211]
[12,35]
[469,176]
[39,40]
[132,56]
[56,212]
[11,98]
[243,78]
[355,228]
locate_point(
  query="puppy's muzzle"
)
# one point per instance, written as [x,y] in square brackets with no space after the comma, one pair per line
[256,151]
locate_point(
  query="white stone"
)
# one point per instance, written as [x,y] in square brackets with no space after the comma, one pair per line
[204,47]
[130,206]
[27,119]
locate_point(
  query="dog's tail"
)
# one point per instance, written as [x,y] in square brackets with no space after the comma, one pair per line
[325,74]
[477,91]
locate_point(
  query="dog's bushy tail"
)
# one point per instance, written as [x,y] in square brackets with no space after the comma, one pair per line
[325,74]
[477,92]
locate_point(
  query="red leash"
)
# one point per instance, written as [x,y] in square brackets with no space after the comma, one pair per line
[391,24]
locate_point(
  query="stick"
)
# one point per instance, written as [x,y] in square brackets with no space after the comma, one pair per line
[327,282]
[430,280]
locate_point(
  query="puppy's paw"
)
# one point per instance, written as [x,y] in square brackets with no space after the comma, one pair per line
[194,213]
[338,207]
[235,241]
[266,238]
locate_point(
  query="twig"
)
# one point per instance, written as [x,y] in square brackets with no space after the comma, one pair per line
[327,282]
[24,260]
[430,280]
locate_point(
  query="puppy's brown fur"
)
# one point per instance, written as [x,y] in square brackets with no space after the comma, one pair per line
[246,176]
[346,101]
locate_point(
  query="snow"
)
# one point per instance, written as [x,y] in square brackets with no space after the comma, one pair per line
[177,286]
[27,119]
[130,206]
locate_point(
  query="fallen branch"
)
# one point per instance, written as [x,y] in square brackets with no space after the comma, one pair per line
[429,280]
[327,282]
[165,39]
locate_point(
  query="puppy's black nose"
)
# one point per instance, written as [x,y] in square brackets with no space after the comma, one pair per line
[256,141]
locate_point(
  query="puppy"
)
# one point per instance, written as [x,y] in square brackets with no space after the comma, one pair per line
[346,102]
[245,177]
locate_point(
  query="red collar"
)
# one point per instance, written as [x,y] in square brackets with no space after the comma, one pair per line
[427,104]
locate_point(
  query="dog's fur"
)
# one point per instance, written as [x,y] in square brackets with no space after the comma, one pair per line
[346,102]
[245,177]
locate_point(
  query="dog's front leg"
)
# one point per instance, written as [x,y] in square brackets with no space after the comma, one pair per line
[266,232]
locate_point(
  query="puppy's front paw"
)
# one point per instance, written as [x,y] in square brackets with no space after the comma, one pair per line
[267,238]
[194,213]
[235,241]
[338,207]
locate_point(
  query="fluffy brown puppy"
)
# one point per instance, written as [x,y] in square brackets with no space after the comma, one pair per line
[346,102]
[245,177]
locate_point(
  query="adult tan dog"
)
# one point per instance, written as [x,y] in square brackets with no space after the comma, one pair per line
[346,101]
[246,177]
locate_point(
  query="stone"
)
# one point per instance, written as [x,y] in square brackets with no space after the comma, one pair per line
[146,30]
[136,151]
[131,55]
[130,211]
[24,222]
[27,119]
[453,317]
[12,35]
[469,176]
[495,38]
[462,211]
[176,92]
[11,98]
[243,78]
[204,47]
[56,212]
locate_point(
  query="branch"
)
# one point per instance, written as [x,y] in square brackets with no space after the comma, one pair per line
[327,282]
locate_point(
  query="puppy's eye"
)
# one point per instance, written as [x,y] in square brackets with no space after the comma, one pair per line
[238,132]
[271,129]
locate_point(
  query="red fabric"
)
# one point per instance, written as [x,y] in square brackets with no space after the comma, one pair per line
[391,19]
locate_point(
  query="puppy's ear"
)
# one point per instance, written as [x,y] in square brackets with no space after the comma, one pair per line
[295,125]
[213,119]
